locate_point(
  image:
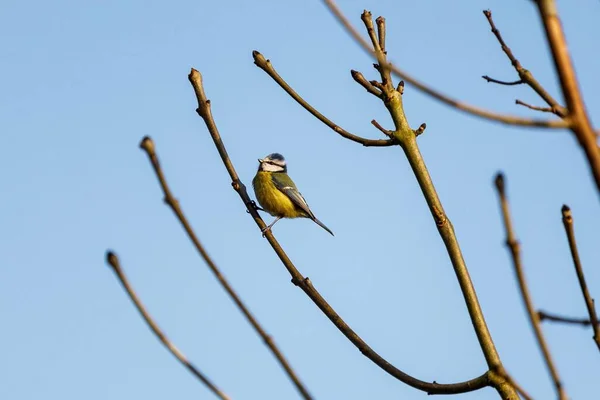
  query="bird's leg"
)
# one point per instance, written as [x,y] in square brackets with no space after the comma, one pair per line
[269,227]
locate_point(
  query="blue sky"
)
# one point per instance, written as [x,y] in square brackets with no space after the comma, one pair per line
[82,82]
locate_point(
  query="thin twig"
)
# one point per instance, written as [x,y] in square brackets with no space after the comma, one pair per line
[381,128]
[266,66]
[304,283]
[580,122]
[361,80]
[543,109]
[567,219]
[148,146]
[525,75]
[544,316]
[515,251]
[113,261]
[467,108]
[505,83]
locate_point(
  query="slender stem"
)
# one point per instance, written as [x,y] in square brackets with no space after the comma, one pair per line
[304,283]
[148,146]
[515,251]
[545,316]
[266,66]
[113,261]
[581,125]
[459,105]
[361,80]
[532,107]
[504,83]
[567,219]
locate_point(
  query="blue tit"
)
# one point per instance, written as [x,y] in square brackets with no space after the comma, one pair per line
[277,193]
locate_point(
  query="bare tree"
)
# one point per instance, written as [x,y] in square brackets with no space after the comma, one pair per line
[571,115]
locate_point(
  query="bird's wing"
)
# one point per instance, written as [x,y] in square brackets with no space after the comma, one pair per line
[285,184]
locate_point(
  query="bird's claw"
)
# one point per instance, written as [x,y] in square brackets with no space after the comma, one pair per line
[256,207]
[264,231]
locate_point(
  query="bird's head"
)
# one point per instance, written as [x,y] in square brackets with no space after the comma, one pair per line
[274,162]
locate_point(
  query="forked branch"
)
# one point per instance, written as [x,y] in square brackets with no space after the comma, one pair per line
[526,77]
[459,105]
[515,252]
[304,283]
[113,261]
[567,219]
[148,146]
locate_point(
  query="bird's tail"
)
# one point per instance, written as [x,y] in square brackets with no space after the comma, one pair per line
[322,225]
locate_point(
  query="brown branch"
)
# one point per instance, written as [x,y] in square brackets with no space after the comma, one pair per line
[113,261]
[543,109]
[544,316]
[525,75]
[567,219]
[304,283]
[467,108]
[505,83]
[266,66]
[580,123]
[148,146]
[515,251]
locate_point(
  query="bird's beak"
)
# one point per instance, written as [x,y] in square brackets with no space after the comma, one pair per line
[260,160]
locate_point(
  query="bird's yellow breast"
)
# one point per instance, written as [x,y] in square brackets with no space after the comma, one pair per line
[272,199]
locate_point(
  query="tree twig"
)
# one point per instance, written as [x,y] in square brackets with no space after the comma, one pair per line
[567,218]
[545,316]
[148,146]
[304,283]
[361,80]
[515,252]
[499,82]
[266,66]
[525,75]
[459,105]
[543,109]
[113,261]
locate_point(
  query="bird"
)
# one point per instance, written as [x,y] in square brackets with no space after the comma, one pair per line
[277,193]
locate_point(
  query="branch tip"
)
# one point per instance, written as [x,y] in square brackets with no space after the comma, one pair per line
[112,259]
[499,182]
[147,144]
[421,129]
[566,213]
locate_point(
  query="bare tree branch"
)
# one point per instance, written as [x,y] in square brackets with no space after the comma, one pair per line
[148,146]
[580,122]
[567,219]
[266,66]
[515,252]
[545,316]
[113,261]
[525,75]
[304,283]
[505,83]
[467,108]
[543,109]
[407,139]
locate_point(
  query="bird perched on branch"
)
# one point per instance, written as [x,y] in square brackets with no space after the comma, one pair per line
[277,194]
